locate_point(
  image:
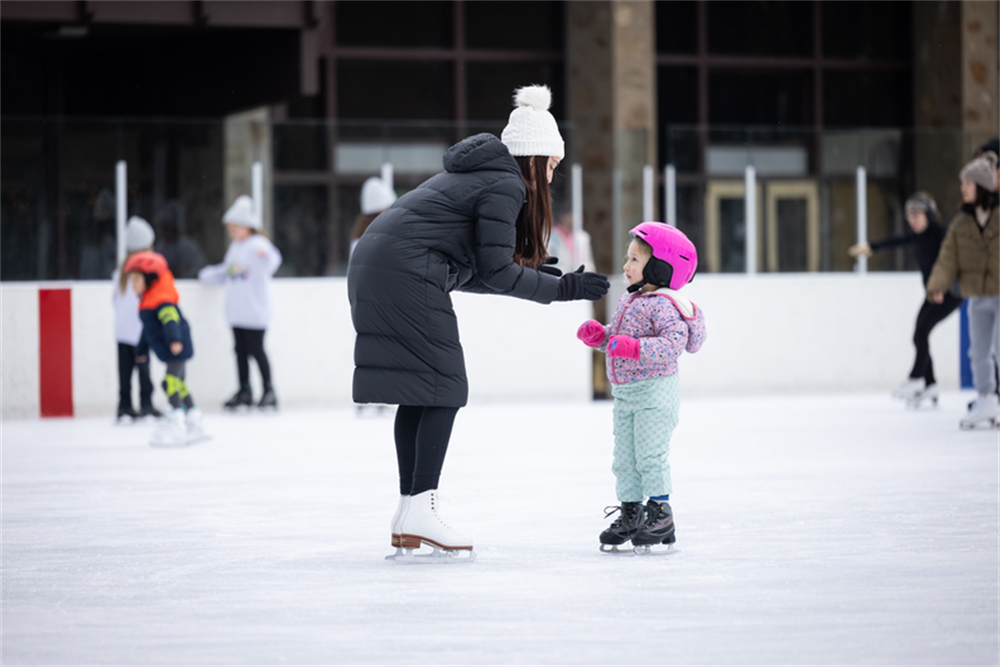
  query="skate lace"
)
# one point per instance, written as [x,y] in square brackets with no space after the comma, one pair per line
[620,519]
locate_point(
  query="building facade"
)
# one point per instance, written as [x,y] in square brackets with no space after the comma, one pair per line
[323,94]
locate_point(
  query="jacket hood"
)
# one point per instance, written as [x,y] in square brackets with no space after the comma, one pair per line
[479,152]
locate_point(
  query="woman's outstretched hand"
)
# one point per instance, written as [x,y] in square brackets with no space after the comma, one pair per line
[579,285]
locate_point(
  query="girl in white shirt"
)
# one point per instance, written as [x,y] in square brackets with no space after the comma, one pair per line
[139,236]
[246,272]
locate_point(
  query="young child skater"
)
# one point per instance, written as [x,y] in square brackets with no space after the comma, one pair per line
[246,272]
[652,325]
[139,236]
[167,333]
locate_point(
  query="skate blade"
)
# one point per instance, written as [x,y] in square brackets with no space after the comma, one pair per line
[436,557]
[660,550]
[980,425]
[921,404]
[175,444]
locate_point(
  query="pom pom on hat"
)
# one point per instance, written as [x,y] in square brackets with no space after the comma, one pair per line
[243,213]
[531,129]
[982,171]
[376,196]
[139,234]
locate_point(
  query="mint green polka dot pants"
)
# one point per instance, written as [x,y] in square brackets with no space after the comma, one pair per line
[645,416]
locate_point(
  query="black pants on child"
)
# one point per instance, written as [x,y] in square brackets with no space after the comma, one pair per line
[422,434]
[250,343]
[929,316]
[126,364]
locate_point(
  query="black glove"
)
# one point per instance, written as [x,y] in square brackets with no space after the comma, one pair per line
[547,267]
[579,285]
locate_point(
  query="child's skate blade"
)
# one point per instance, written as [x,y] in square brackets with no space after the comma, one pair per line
[656,550]
[406,556]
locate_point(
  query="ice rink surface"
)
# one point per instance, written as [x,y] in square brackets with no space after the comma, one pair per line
[812,530]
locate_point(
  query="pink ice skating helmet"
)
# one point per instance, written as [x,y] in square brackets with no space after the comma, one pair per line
[674,259]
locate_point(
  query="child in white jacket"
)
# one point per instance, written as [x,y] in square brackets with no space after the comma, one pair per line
[139,236]
[246,272]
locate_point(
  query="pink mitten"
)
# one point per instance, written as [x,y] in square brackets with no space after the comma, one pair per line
[624,346]
[591,332]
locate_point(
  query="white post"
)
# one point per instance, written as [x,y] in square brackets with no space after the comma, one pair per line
[387,174]
[648,192]
[257,189]
[616,216]
[670,195]
[750,214]
[861,185]
[577,196]
[121,207]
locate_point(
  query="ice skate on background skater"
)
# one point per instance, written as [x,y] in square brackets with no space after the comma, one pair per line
[652,325]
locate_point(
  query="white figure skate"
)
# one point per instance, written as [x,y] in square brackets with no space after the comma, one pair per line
[404,503]
[419,524]
[982,412]
[195,422]
[909,389]
[172,432]
[927,395]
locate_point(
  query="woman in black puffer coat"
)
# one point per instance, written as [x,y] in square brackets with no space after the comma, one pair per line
[482,226]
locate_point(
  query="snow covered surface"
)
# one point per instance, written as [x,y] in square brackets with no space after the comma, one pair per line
[837,529]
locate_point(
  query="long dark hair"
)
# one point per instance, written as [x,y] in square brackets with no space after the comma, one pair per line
[534,222]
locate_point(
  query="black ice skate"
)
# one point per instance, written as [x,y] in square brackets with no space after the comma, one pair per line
[658,528]
[126,411]
[268,400]
[149,411]
[626,524]
[243,397]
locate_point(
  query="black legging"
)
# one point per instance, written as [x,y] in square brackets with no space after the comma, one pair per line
[127,362]
[422,434]
[928,317]
[250,343]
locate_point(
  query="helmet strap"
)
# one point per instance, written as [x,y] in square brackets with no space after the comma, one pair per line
[635,287]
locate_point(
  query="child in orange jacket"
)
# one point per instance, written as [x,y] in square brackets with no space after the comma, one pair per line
[167,333]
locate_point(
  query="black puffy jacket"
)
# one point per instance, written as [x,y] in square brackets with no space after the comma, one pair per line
[455,231]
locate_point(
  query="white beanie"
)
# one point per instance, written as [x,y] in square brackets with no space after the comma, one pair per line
[376,196]
[139,234]
[531,129]
[242,213]
[982,171]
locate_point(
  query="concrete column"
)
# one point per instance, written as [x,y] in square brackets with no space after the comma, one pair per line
[955,81]
[979,72]
[611,87]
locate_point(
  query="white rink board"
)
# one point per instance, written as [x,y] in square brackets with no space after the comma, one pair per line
[787,332]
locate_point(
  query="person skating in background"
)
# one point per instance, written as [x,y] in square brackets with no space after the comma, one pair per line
[168,334]
[970,255]
[570,249]
[246,271]
[928,234]
[480,226]
[652,326]
[139,237]
[376,196]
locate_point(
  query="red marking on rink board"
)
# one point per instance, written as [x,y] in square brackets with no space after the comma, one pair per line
[55,352]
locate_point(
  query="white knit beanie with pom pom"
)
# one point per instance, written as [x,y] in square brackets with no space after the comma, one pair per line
[531,129]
